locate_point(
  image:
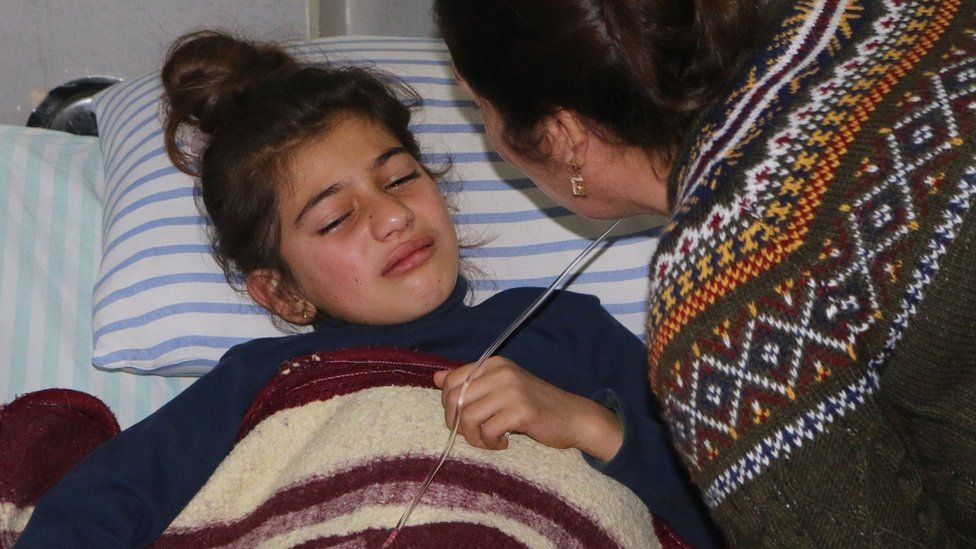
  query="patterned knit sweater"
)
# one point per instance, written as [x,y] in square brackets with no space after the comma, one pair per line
[813,304]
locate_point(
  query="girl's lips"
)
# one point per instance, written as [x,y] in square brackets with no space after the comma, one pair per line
[409,255]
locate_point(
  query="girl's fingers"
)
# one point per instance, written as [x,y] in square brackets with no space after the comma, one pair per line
[447,379]
[439,377]
[495,431]
[449,398]
[483,400]
[452,380]
[476,415]
[454,384]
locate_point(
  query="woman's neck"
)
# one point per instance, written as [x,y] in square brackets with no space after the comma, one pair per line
[632,180]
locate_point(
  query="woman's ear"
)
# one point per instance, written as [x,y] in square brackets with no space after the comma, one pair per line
[568,137]
[266,288]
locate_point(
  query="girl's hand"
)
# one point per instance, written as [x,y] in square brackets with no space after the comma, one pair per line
[507,399]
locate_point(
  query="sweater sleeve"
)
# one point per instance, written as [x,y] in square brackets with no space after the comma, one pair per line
[126,493]
[646,462]
[898,466]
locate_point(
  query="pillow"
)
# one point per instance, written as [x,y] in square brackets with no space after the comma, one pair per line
[161,304]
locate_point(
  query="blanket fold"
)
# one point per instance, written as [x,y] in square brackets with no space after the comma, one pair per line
[42,436]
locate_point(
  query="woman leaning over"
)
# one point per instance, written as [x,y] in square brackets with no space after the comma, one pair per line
[812,319]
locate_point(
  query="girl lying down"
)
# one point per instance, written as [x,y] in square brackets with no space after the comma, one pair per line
[320,202]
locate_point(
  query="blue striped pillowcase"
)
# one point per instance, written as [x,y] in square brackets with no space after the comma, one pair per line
[160,302]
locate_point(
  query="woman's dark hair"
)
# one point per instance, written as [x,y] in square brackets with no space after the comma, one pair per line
[640,69]
[255,106]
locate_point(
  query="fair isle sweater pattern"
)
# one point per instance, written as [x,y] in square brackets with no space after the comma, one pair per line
[814,208]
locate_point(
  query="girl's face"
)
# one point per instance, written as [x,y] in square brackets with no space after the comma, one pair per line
[364,229]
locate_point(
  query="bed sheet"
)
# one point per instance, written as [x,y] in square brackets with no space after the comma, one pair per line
[50,241]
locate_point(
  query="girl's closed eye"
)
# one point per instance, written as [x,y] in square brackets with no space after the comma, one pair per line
[405,179]
[333,225]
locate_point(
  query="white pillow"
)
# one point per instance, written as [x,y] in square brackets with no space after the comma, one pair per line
[161,304]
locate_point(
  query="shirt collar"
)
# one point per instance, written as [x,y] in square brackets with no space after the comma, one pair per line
[453,302]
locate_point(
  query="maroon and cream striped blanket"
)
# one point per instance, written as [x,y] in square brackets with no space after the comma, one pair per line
[335,447]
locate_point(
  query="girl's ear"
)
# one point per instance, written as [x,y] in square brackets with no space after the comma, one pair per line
[265,288]
[568,137]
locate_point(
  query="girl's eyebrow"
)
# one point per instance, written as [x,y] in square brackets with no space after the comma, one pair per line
[320,196]
[386,155]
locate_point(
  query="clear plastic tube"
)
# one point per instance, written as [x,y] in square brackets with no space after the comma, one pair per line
[477,371]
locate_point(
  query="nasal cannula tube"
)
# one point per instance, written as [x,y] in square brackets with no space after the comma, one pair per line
[477,370]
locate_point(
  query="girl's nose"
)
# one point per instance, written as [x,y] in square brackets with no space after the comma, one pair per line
[390,217]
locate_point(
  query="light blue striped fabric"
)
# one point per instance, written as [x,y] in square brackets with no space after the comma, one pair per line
[160,303]
[50,238]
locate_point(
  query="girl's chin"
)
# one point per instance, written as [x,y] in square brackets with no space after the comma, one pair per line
[424,300]
[409,300]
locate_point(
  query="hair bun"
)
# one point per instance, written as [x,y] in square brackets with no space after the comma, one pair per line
[206,76]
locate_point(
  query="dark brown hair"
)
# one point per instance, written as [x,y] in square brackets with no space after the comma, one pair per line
[255,106]
[640,69]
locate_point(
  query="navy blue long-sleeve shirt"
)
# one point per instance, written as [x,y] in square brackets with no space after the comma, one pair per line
[128,491]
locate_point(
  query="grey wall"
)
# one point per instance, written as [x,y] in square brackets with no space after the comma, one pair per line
[378,17]
[44,43]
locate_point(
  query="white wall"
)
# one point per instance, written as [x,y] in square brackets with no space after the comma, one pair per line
[44,43]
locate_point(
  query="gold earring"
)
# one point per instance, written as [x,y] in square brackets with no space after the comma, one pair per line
[305,311]
[579,185]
